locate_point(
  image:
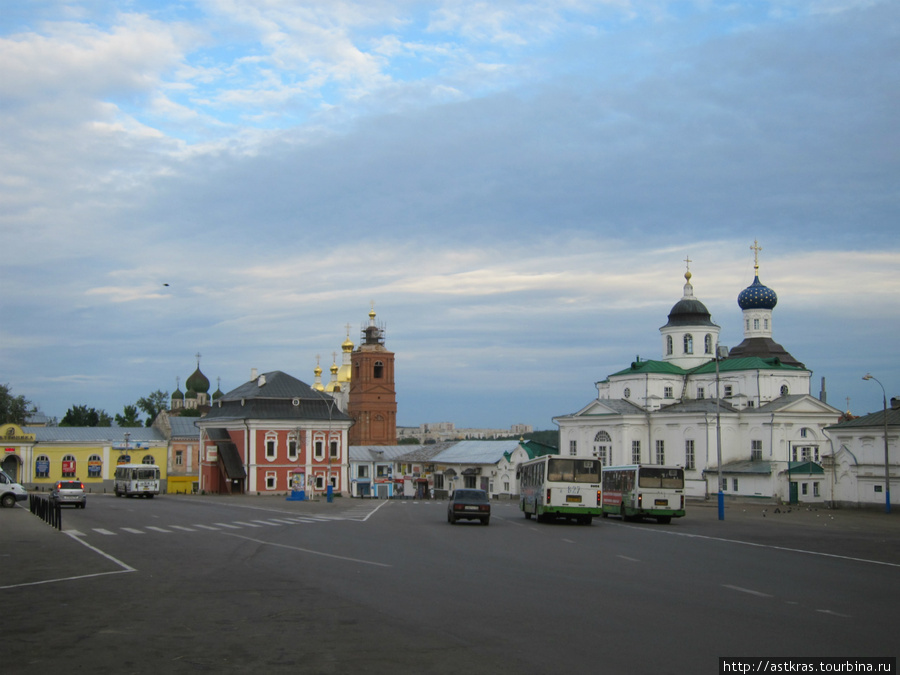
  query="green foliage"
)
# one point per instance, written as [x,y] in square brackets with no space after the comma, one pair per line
[82,416]
[408,441]
[154,404]
[12,408]
[189,412]
[129,417]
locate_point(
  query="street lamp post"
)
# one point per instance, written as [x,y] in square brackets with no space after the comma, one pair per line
[719,351]
[887,465]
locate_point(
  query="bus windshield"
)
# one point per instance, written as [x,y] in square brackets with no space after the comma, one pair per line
[573,470]
[652,477]
[146,474]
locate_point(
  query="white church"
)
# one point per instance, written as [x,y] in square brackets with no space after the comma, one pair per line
[751,406]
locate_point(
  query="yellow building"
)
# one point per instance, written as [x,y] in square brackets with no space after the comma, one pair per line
[37,457]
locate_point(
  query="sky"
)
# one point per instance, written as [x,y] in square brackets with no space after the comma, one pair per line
[517,186]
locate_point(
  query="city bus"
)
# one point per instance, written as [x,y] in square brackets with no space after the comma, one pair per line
[640,490]
[137,479]
[553,487]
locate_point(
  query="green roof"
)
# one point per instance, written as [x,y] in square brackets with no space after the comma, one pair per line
[745,363]
[658,367]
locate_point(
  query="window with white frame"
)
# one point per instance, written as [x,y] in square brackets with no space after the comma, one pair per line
[689,453]
[669,346]
[42,466]
[271,445]
[293,448]
[734,484]
[179,457]
[701,394]
[68,466]
[688,343]
[362,471]
[573,447]
[95,466]
[668,392]
[319,447]
[320,482]
[148,459]
[728,391]
[635,452]
[271,480]
[660,451]
[756,451]
[601,447]
[816,489]
[708,344]
[334,450]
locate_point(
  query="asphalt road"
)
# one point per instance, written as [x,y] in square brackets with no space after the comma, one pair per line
[193,584]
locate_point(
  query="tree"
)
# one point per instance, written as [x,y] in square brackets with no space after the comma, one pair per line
[13,409]
[154,404]
[82,416]
[129,417]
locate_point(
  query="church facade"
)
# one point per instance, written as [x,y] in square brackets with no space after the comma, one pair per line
[744,415]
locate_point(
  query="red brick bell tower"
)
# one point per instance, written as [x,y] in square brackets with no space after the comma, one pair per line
[373,399]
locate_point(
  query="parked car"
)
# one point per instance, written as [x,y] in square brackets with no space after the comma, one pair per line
[68,492]
[11,491]
[469,504]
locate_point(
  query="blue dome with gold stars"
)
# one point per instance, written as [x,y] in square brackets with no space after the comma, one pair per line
[757,296]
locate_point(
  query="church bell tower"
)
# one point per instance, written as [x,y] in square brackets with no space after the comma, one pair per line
[373,399]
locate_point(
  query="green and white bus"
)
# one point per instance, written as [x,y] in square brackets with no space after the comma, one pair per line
[639,490]
[553,487]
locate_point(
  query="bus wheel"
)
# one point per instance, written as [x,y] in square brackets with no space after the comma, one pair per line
[587,520]
[527,515]
[663,520]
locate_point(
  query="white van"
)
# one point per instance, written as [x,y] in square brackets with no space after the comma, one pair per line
[10,491]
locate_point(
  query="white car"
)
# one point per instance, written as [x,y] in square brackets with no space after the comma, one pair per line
[11,491]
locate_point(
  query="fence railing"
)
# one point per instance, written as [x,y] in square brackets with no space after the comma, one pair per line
[43,509]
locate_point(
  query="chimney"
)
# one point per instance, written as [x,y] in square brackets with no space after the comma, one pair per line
[823,395]
[895,403]
[253,374]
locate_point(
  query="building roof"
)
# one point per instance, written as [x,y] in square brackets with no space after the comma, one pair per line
[183,427]
[106,435]
[872,420]
[476,452]
[276,395]
[652,367]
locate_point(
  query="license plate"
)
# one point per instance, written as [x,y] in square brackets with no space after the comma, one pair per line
[471,508]
[573,498]
[661,502]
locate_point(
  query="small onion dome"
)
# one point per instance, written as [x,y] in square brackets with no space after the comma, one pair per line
[217,394]
[347,345]
[177,395]
[689,311]
[197,382]
[757,296]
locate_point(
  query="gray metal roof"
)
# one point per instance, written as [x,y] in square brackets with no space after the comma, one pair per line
[95,434]
[183,427]
[476,452]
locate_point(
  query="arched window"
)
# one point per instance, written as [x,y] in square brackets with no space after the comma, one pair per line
[785,390]
[601,447]
[271,445]
[669,345]
[42,466]
[319,446]
[708,344]
[68,466]
[95,466]
[148,459]
[379,370]
[688,343]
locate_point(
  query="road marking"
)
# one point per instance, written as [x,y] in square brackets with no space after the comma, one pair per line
[100,530]
[310,551]
[240,522]
[159,529]
[747,590]
[625,557]
[828,611]
[264,522]
[689,535]
[206,527]
[77,537]
[133,530]
[183,529]
[230,527]
[568,541]
[283,522]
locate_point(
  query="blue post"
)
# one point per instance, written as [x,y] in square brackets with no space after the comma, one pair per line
[329,494]
[721,504]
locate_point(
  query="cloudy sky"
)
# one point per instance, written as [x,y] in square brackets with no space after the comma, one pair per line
[516,185]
